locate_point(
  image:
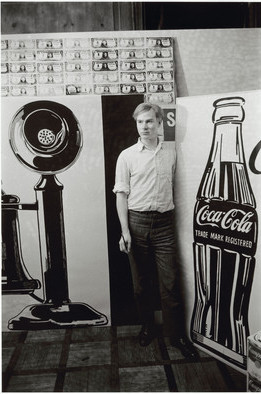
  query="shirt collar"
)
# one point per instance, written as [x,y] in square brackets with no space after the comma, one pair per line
[141,146]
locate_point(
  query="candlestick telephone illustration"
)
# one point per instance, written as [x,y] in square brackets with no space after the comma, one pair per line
[45,137]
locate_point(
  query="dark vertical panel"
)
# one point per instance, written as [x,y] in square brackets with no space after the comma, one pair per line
[119,133]
[123,16]
[138,11]
[128,16]
[254,15]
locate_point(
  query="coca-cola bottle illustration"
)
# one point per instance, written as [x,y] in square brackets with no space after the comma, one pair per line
[225,237]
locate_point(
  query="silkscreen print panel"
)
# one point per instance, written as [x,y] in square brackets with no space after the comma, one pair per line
[218,208]
[83,208]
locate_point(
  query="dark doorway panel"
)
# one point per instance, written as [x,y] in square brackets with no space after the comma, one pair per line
[119,133]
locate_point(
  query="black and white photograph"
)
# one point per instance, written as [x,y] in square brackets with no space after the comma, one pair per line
[131,184]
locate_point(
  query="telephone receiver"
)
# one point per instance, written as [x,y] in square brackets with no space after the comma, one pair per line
[45,137]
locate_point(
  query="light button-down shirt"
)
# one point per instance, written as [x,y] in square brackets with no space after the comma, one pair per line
[147,176]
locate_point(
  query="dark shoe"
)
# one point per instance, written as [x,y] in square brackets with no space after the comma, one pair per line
[146,335]
[185,346]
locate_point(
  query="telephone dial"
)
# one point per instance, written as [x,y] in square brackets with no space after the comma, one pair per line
[45,137]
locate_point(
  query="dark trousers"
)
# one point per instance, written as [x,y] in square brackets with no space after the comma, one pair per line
[153,242]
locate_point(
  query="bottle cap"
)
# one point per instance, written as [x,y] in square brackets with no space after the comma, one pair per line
[228,109]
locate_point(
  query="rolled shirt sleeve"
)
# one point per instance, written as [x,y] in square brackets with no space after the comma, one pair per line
[122,176]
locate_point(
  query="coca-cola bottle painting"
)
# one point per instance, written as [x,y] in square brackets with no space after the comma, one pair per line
[225,238]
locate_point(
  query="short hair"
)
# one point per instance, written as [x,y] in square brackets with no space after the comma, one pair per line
[144,107]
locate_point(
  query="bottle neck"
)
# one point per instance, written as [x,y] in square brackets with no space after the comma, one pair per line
[226,175]
[227,143]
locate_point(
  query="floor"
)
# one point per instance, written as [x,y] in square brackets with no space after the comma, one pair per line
[106,359]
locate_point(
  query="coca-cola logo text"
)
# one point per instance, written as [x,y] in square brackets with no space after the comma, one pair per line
[234,219]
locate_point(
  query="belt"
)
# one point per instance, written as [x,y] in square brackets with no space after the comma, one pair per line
[149,212]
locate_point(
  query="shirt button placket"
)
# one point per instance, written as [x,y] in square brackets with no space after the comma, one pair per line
[157,167]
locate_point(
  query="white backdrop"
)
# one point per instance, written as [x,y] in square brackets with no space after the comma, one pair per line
[194,133]
[83,203]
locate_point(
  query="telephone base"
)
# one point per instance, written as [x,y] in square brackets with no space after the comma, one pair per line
[50,316]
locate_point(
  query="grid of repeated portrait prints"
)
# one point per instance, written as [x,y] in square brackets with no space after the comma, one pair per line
[82,66]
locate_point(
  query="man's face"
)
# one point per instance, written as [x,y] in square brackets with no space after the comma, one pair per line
[148,125]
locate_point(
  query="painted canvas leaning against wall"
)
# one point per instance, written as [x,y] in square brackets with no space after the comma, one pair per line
[217,203]
[74,190]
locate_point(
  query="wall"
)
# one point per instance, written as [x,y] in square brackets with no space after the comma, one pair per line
[56,17]
[217,61]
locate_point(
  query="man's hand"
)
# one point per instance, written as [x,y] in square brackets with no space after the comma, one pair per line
[125,242]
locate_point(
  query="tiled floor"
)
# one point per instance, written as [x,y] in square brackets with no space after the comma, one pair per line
[106,359]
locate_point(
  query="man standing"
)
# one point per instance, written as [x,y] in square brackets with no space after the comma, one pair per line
[144,200]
